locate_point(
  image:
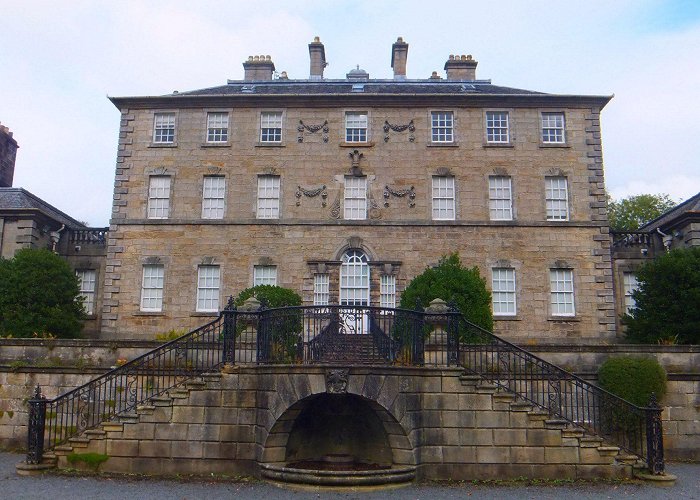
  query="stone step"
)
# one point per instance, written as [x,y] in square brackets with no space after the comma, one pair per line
[609,451]
[163,400]
[145,409]
[627,459]
[211,377]
[128,417]
[469,380]
[179,393]
[521,406]
[195,384]
[62,450]
[79,442]
[112,426]
[95,433]
[555,423]
[486,388]
[591,442]
[538,415]
[572,433]
[504,397]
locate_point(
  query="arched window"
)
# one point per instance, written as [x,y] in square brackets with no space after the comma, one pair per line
[354,279]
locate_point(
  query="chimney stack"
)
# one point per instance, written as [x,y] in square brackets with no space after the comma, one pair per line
[258,68]
[461,67]
[8,153]
[399,54]
[317,56]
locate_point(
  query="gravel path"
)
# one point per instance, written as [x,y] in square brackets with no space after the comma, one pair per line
[56,487]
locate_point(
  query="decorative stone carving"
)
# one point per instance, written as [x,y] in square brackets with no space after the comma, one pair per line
[312,129]
[270,171]
[207,261]
[500,171]
[443,171]
[400,193]
[159,171]
[311,193]
[151,260]
[374,211]
[562,264]
[399,128]
[214,170]
[355,157]
[264,261]
[354,242]
[335,208]
[337,381]
[556,172]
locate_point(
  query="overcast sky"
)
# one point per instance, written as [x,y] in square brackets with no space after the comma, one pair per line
[59,60]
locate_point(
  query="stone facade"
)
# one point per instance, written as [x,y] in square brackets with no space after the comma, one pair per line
[398,161]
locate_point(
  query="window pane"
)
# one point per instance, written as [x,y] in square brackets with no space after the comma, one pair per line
[503,290]
[355,198]
[159,197]
[497,130]
[356,127]
[208,280]
[164,127]
[265,275]
[217,127]
[87,289]
[557,198]
[443,198]
[321,289]
[500,198]
[442,126]
[553,128]
[152,288]
[387,291]
[268,197]
[630,284]
[562,292]
[271,126]
[213,197]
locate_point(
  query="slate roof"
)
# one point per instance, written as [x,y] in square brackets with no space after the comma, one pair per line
[18,199]
[689,206]
[372,87]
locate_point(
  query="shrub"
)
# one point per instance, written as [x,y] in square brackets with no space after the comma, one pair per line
[450,281]
[284,328]
[271,296]
[667,300]
[39,296]
[633,378]
[91,460]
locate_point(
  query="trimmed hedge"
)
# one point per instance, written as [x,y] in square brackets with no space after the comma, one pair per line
[633,378]
[271,296]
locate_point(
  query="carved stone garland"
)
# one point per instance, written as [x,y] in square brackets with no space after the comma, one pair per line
[399,128]
[312,193]
[400,193]
[312,129]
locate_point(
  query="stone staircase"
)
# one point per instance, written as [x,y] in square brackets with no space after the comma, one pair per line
[204,425]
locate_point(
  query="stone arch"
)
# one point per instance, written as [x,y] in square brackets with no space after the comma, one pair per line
[363,393]
[355,243]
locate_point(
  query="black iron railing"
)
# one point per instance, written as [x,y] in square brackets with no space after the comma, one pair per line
[634,429]
[351,335]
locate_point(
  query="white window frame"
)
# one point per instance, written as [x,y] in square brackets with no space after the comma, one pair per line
[561,282]
[553,127]
[322,295]
[217,127]
[208,286]
[213,197]
[503,291]
[356,126]
[629,285]
[387,291]
[442,127]
[88,281]
[164,127]
[557,197]
[269,187]
[264,275]
[498,127]
[159,196]
[271,125]
[152,287]
[500,197]
[355,198]
[443,196]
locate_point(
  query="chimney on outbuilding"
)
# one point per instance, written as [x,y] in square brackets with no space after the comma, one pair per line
[317,56]
[258,68]
[461,67]
[399,54]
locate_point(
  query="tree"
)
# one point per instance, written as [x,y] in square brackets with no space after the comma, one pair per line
[450,281]
[39,295]
[667,300]
[630,213]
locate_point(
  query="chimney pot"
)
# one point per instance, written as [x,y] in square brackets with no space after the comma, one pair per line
[258,68]
[317,59]
[399,56]
[461,67]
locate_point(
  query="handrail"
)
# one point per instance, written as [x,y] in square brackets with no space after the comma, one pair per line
[633,428]
[305,334]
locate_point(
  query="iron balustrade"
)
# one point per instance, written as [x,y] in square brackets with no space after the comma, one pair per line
[348,335]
